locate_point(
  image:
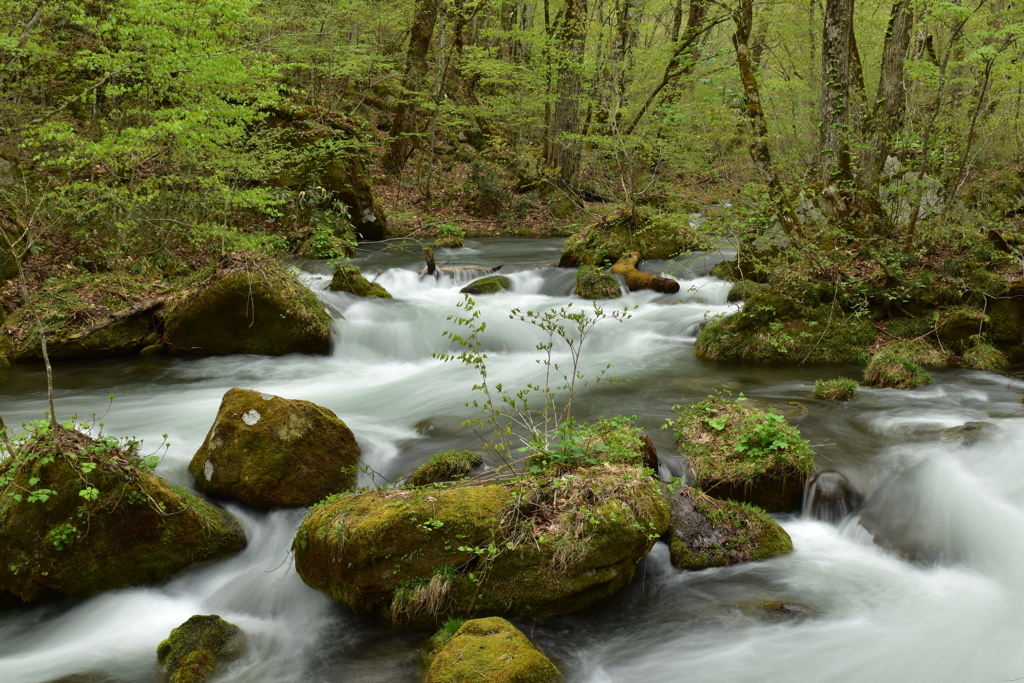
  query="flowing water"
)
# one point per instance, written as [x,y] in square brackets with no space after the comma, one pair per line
[922,582]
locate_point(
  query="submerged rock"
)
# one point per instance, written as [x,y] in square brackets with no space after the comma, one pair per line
[249,305]
[348,278]
[495,646]
[593,283]
[93,517]
[830,498]
[706,532]
[745,454]
[491,284]
[535,547]
[195,650]
[969,433]
[272,452]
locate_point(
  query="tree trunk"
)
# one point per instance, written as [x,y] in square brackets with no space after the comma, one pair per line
[834,149]
[636,280]
[400,142]
[563,150]
[760,152]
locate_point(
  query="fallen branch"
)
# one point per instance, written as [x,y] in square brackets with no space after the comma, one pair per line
[636,280]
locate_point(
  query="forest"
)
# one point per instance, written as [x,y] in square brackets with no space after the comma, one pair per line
[370,239]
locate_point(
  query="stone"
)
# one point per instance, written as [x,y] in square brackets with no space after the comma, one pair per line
[492,284]
[348,278]
[495,646]
[831,498]
[196,650]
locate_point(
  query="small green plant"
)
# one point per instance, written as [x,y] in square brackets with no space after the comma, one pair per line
[449,235]
[841,389]
[63,536]
[447,631]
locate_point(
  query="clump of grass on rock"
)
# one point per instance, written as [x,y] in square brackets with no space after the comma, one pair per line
[196,650]
[742,453]
[840,389]
[594,283]
[348,278]
[893,367]
[446,465]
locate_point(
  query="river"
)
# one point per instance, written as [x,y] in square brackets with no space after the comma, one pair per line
[859,612]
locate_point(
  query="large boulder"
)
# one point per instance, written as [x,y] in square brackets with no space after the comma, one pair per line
[329,155]
[348,278]
[653,235]
[198,648]
[248,305]
[534,546]
[91,516]
[271,452]
[495,646]
[706,532]
[741,453]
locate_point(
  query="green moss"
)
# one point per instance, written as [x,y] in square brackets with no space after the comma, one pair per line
[835,389]
[449,242]
[961,323]
[272,452]
[535,547]
[134,530]
[986,357]
[706,532]
[894,366]
[743,453]
[496,647]
[194,651]
[593,283]
[491,284]
[347,278]
[743,290]
[655,236]
[775,327]
[444,465]
[250,304]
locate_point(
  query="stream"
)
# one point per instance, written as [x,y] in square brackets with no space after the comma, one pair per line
[938,598]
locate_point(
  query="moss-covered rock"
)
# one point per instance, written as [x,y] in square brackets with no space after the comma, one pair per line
[776,327]
[743,290]
[272,452]
[743,453]
[986,357]
[894,367]
[707,532]
[88,315]
[449,241]
[594,283]
[840,389]
[93,517]
[348,278]
[969,433]
[444,466]
[195,650]
[248,305]
[535,546]
[961,323]
[492,284]
[495,646]
[329,156]
[653,235]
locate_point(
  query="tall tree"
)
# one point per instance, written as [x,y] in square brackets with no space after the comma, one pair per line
[564,149]
[836,71]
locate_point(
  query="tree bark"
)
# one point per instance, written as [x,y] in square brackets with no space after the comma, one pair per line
[760,152]
[400,144]
[563,151]
[834,147]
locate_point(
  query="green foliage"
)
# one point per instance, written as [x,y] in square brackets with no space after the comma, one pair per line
[835,389]
[891,368]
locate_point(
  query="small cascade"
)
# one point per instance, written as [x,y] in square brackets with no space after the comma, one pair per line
[829,497]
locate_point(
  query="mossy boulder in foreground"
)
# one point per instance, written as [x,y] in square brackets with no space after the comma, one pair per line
[707,532]
[272,452]
[492,284]
[594,283]
[194,651]
[743,453]
[534,546]
[494,646]
[653,235]
[93,517]
[348,278]
[249,305]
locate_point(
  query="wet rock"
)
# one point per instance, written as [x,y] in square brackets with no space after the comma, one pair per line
[593,283]
[705,532]
[249,305]
[94,517]
[830,498]
[778,611]
[495,646]
[347,278]
[491,284]
[271,452]
[195,651]
[653,235]
[444,466]
[742,453]
[440,427]
[526,547]
[969,433]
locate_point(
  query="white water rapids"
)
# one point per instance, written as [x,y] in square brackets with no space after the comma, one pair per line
[866,613]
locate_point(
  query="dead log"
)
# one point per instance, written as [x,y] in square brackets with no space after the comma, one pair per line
[635,280]
[428,254]
[144,306]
